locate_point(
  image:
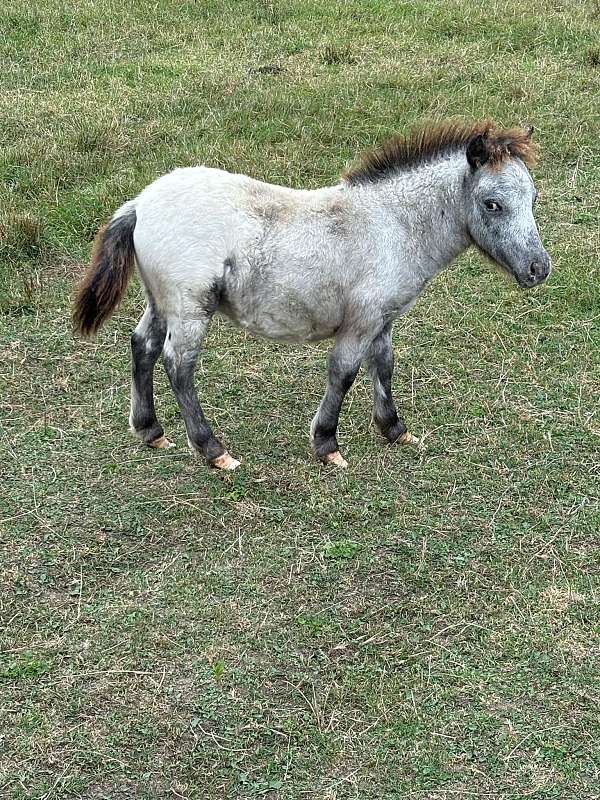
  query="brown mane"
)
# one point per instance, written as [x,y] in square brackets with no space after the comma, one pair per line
[437,140]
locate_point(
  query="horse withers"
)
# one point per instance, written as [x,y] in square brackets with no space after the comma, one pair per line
[339,262]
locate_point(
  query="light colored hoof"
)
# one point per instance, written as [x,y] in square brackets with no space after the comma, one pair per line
[336,458]
[407,438]
[162,443]
[225,462]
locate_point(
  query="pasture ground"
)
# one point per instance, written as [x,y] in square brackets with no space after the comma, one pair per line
[424,625]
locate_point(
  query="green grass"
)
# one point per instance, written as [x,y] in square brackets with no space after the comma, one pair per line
[425,625]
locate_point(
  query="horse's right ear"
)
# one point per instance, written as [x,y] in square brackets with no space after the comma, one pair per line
[477,151]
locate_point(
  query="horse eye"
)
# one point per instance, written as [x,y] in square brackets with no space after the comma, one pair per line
[492,205]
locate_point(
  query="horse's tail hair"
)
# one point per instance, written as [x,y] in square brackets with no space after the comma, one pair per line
[108,274]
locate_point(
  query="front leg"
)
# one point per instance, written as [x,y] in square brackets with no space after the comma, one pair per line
[344,363]
[380,358]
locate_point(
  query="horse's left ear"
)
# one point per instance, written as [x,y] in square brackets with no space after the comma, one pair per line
[529,129]
[477,151]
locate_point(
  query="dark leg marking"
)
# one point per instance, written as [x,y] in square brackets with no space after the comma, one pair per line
[146,345]
[180,356]
[381,368]
[344,363]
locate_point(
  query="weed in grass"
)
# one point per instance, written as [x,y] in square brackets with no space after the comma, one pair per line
[592,56]
[20,236]
[341,549]
[337,54]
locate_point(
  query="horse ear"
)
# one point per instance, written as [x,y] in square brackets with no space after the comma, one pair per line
[477,151]
[529,131]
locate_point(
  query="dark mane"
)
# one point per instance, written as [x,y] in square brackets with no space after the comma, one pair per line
[437,140]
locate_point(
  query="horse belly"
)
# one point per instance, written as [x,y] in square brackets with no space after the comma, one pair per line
[287,318]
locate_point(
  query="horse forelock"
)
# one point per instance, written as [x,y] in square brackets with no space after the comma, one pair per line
[430,142]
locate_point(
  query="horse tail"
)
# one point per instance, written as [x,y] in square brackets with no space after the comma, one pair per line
[108,274]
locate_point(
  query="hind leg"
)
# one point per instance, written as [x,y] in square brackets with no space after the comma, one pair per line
[180,354]
[146,345]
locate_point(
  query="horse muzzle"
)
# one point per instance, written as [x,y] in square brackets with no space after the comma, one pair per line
[535,273]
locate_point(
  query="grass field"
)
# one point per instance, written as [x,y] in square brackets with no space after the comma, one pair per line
[424,625]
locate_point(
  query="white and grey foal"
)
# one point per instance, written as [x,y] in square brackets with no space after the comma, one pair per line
[340,262]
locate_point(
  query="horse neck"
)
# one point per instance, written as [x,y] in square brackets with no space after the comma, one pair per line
[425,207]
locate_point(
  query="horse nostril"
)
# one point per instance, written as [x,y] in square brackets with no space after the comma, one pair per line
[538,271]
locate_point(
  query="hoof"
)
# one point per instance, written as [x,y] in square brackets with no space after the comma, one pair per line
[336,458]
[225,462]
[162,443]
[407,438]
